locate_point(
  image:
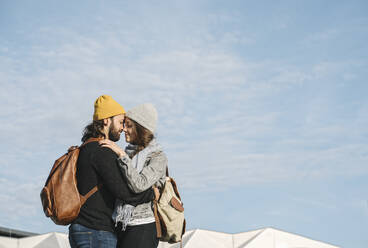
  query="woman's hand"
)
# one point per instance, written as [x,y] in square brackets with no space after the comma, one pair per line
[113,146]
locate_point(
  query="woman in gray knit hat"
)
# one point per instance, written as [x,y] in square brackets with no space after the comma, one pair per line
[144,165]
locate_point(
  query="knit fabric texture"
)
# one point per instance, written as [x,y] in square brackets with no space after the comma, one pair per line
[105,107]
[145,115]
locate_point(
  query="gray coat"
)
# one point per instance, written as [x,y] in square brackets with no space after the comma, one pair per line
[152,173]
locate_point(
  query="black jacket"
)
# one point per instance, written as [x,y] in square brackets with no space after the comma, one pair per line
[98,165]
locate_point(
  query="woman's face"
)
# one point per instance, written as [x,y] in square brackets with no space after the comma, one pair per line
[129,130]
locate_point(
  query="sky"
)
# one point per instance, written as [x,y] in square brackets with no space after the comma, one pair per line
[263,108]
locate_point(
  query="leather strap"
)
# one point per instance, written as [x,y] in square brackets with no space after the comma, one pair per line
[91,192]
[155,211]
[90,140]
[59,161]
[157,220]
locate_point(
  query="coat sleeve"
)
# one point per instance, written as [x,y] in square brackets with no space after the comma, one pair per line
[151,173]
[104,161]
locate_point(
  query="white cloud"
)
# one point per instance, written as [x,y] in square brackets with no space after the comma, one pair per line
[22,197]
[225,120]
[323,36]
[204,96]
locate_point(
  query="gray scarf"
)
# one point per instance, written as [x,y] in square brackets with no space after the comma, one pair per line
[123,212]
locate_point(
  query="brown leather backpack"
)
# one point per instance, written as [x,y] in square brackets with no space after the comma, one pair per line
[60,197]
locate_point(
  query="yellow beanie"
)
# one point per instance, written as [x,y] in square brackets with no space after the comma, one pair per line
[106,107]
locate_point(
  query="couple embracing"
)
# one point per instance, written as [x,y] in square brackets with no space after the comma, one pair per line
[120,213]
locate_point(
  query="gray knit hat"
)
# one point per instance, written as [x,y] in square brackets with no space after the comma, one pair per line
[145,115]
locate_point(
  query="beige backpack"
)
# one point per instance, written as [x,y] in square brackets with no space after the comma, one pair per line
[169,213]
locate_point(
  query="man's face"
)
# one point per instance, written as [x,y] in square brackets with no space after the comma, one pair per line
[116,127]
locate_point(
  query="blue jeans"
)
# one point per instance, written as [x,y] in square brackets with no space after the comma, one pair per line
[84,237]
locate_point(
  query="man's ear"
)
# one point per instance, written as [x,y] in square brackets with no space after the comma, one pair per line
[106,121]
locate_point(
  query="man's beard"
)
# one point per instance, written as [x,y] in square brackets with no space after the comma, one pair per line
[113,134]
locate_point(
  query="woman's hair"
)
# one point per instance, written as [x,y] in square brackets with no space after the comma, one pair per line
[93,130]
[142,136]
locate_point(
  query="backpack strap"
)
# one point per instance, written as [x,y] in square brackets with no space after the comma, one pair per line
[91,192]
[155,212]
[89,141]
[71,149]
[157,220]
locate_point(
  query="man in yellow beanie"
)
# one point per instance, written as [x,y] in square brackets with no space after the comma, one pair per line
[97,166]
